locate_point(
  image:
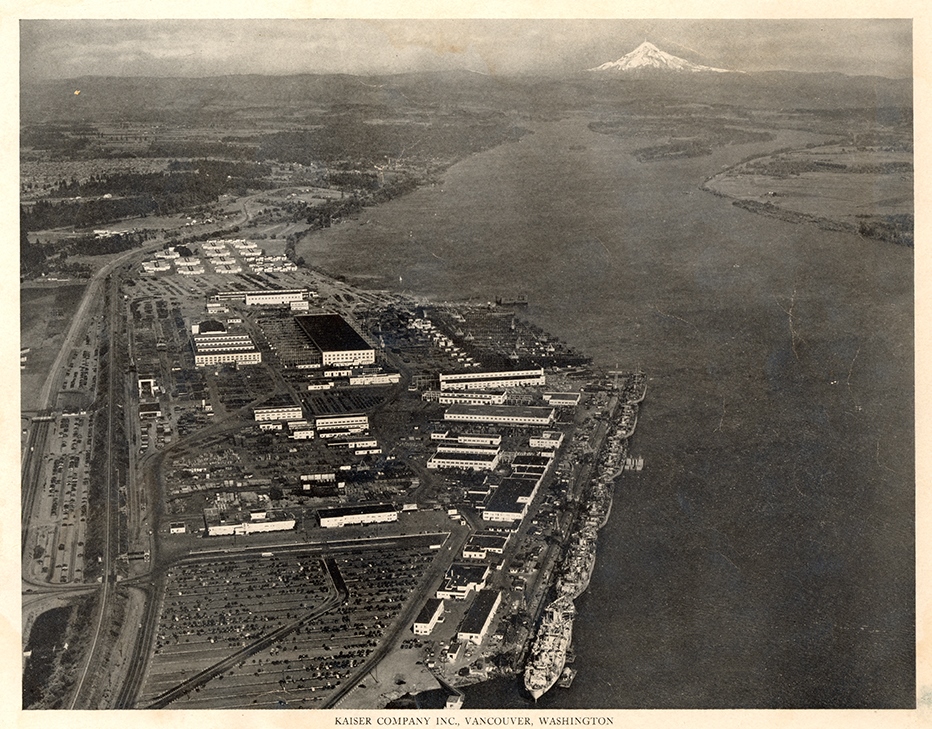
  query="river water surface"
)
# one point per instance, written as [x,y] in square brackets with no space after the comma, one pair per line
[764,557]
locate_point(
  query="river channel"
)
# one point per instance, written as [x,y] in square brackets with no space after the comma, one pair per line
[764,557]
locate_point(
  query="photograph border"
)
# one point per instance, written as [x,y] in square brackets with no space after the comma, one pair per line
[922,42]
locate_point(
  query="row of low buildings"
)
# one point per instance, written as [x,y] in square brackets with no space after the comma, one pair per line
[220,521]
[463,579]
[509,500]
[493,380]
[510,415]
[446,345]
[346,430]
[482,452]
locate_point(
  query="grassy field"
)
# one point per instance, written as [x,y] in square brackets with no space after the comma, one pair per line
[45,314]
[838,183]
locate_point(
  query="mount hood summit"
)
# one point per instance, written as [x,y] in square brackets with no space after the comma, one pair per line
[648,57]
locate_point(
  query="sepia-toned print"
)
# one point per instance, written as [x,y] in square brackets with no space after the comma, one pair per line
[467,365]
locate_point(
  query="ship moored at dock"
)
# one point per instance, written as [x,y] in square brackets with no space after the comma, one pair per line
[548,654]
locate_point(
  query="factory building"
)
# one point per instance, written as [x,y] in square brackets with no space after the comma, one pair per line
[391,378]
[336,340]
[479,617]
[220,347]
[147,384]
[562,399]
[429,616]
[274,298]
[480,546]
[481,439]
[492,380]
[353,444]
[500,414]
[339,516]
[549,440]
[509,501]
[530,466]
[150,410]
[353,421]
[468,457]
[461,579]
[261,297]
[221,524]
[467,397]
[287,411]
[320,477]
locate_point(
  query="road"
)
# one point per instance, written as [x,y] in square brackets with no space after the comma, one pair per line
[31,473]
[35,448]
[36,443]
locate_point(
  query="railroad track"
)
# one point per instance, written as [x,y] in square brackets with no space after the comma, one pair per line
[110,490]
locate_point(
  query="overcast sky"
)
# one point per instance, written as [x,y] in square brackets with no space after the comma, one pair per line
[70,48]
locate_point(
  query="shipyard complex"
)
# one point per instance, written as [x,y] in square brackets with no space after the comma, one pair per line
[323,484]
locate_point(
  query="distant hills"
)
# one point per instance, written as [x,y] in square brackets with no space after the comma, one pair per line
[658,78]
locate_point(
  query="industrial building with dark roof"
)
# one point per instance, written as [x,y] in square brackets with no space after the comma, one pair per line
[461,578]
[335,339]
[510,499]
[428,617]
[479,617]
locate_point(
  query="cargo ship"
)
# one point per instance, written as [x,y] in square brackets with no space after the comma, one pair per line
[551,650]
[548,655]
[577,570]
[638,388]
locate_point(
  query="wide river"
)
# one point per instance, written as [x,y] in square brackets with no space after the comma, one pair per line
[765,555]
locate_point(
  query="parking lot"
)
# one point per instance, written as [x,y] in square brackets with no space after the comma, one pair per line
[213,607]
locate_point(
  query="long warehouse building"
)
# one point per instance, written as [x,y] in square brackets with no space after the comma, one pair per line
[338,516]
[222,348]
[492,380]
[500,414]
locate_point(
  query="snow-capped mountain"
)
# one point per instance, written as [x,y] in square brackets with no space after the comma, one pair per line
[648,57]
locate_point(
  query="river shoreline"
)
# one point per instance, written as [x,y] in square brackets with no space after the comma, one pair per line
[780,459]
